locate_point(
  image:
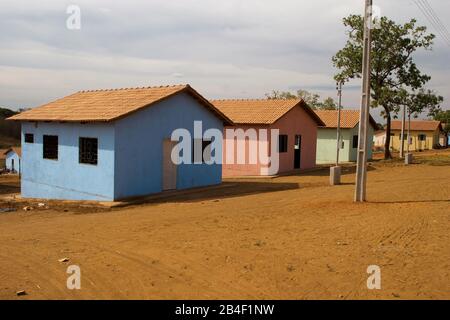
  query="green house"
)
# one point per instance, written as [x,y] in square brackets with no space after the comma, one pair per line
[326,136]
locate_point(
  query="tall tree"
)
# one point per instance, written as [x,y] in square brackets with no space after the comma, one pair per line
[328,104]
[311,99]
[444,117]
[395,77]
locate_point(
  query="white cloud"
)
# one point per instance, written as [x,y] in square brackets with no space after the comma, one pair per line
[231,48]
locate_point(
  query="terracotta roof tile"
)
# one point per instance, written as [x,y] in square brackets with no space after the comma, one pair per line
[106,105]
[416,125]
[349,118]
[259,111]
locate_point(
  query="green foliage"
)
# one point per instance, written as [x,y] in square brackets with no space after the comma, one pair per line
[444,117]
[6,113]
[328,104]
[9,130]
[311,99]
[395,78]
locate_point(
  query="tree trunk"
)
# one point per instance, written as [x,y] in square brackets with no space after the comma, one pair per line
[387,143]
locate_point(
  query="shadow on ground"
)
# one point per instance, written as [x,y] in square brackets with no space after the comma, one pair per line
[225,190]
[325,171]
[9,189]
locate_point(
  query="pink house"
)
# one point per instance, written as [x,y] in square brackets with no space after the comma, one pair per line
[297,124]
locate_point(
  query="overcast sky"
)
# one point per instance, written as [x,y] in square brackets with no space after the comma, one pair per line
[224,49]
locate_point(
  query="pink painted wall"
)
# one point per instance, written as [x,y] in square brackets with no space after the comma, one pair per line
[233,169]
[295,122]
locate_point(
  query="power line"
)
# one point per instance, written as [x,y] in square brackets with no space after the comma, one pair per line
[443,27]
[432,17]
[438,21]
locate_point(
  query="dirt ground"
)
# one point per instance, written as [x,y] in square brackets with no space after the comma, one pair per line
[291,237]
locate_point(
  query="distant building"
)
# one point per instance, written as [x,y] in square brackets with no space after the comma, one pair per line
[12,159]
[425,135]
[326,139]
[379,138]
[114,144]
[297,124]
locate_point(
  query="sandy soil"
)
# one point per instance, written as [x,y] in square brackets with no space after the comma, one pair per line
[292,237]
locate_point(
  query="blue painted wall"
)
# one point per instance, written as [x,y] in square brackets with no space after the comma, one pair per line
[9,161]
[129,154]
[139,147]
[66,178]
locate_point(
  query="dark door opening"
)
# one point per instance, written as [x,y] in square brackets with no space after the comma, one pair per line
[297,151]
[12,165]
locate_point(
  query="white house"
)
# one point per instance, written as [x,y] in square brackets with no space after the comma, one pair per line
[13,156]
[379,138]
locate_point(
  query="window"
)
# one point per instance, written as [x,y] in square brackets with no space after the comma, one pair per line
[50,147]
[88,150]
[422,137]
[29,138]
[355,142]
[206,145]
[203,157]
[282,143]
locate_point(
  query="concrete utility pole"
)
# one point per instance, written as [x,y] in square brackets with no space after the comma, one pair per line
[335,172]
[361,165]
[409,131]
[408,156]
[402,136]
[338,133]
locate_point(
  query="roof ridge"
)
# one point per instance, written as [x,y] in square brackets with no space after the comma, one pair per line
[135,88]
[351,110]
[418,120]
[256,99]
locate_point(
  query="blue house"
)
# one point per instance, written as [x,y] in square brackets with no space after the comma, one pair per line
[12,159]
[114,144]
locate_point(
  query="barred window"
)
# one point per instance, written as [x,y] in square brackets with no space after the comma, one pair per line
[29,138]
[206,146]
[50,147]
[202,158]
[88,150]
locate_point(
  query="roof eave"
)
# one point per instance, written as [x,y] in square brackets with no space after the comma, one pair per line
[311,112]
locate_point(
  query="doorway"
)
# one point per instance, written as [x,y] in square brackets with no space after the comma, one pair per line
[12,165]
[297,151]
[169,174]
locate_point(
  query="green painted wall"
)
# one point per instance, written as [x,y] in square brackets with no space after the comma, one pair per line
[326,145]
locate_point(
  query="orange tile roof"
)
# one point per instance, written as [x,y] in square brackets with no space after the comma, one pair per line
[260,111]
[417,125]
[107,105]
[349,118]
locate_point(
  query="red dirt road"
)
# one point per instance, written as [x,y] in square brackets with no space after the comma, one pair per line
[286,238]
